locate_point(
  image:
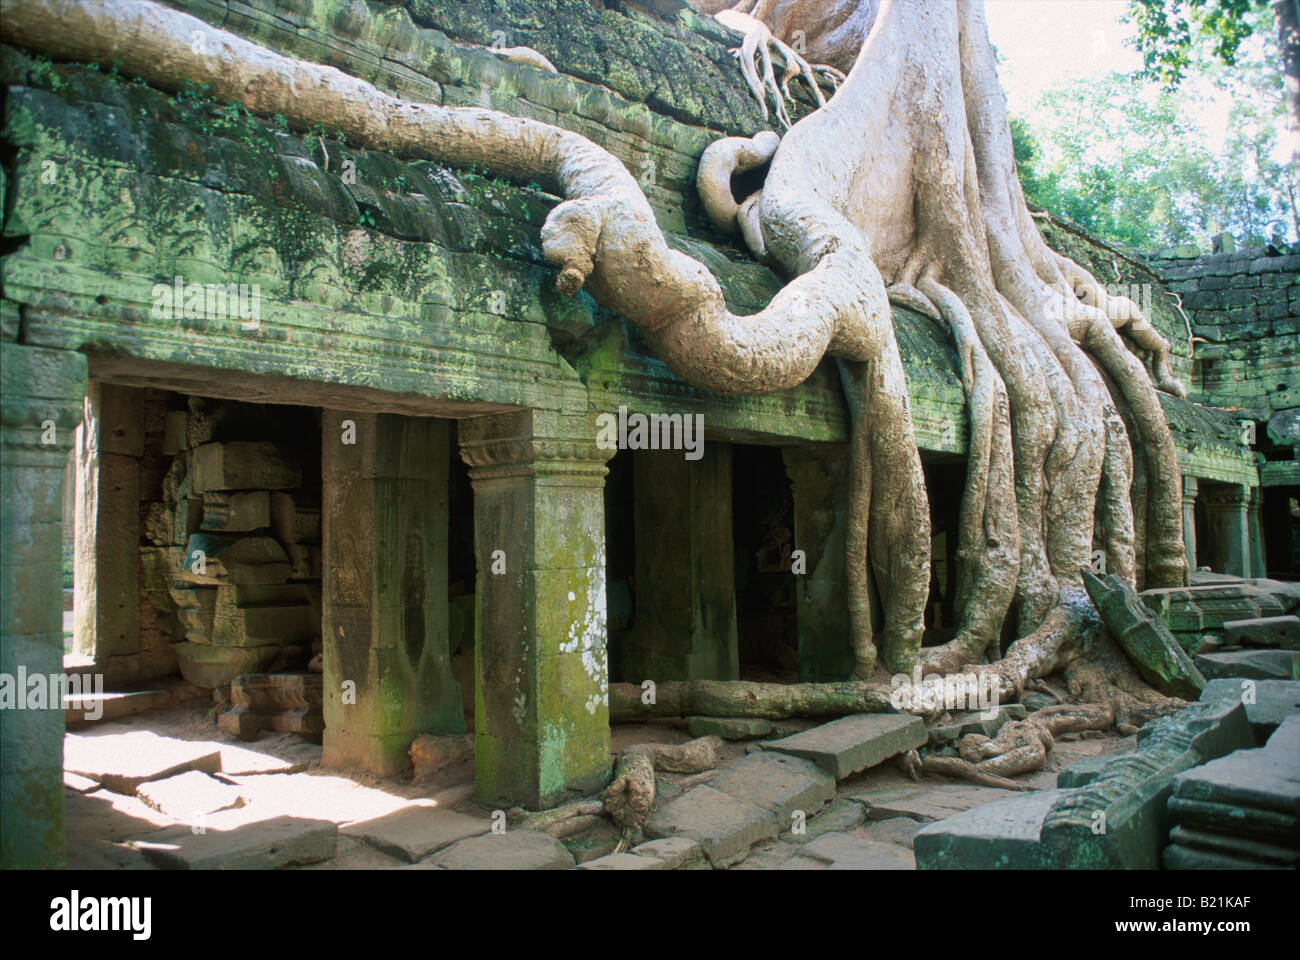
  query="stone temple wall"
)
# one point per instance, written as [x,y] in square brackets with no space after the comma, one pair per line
[397,296]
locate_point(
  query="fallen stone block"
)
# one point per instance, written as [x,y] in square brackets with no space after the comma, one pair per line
[928,803]
[1209,606]
[1268,702]
[846,746]
[512,850]
[242,466]
[1121,818]
[1003,835]
[295,517]
[1150,646]
[123,761]
[1233,820]
[189,795]
[1280,632]
[729,728]
[265,845]
[1249,664]
[82,709]
[412,833]
[724,826]
[779,783]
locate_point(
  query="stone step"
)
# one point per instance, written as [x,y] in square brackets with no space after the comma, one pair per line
[413,833]
[1003,835]
[84,709]
[846,746]
[264,845]
[1178,857]
[1239,847]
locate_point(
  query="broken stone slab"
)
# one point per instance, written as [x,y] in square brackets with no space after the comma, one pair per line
[430,753]
[927,803]
[215,559]
[242,511]
[512,850]
[1268,702]
[242,465]
[846,746]
[842,815]
[623,861]
[974,721]
[264,845]
[1282,632]
[1003,835]
[841,851]
[412,833]
[779,783]
[1082,772]
[1250,664]
[283,702]
[1266,778]
[1230,846]
[1121,818]
[1155,653]
[674,852]
[729,728]
[123,761]
[724,826]
[189,795]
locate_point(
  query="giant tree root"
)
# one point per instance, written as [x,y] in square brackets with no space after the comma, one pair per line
[695,756]
[630,796]
[743,698]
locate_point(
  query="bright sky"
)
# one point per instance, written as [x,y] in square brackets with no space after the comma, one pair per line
[1043,42]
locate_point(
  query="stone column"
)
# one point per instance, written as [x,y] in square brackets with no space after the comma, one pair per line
[819,481]
[1226,511]
[685,622]
[1255,533]
[41,395]
[1189,522]
[106,576]
[387,671]
[541,702]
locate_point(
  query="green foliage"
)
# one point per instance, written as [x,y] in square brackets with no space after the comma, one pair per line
[1132,162]
[1170,31]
